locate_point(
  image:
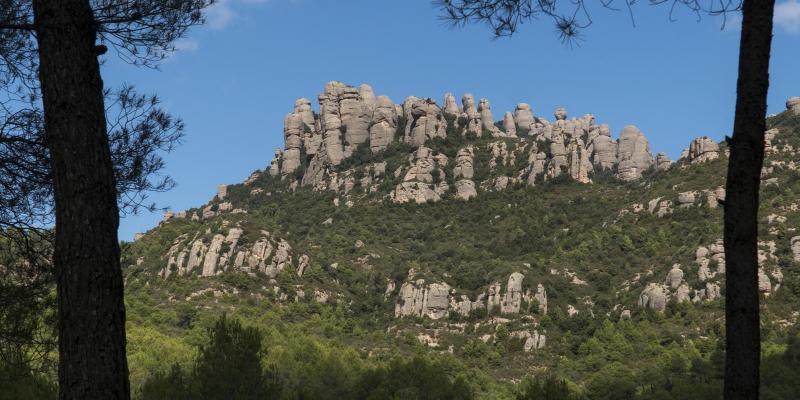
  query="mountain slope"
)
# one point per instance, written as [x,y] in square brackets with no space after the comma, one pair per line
[386,229]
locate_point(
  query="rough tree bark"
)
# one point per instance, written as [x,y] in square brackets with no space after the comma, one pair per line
[91,311]
[743,338]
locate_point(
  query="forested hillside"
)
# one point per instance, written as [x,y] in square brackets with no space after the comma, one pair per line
[432,252]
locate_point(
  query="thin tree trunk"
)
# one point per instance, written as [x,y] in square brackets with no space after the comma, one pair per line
[91,312]
[743,338]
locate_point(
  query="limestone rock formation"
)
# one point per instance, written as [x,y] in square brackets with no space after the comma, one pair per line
[487,120]
[222,192]
[512,300]
[523,117]
[794,242]
[509,125]
[603,150]
[674,277]
[418,181]
[663,162]
[381,133]
[703,149]
[654,296]
[633,153]
[450,106]
[424,121]
[793,105]
[423,300]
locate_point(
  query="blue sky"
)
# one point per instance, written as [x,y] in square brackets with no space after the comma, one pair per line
[235,78]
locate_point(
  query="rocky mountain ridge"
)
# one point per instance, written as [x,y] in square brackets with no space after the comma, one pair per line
[426,222]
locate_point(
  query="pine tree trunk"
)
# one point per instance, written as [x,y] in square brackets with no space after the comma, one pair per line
[91,312]
[743,338]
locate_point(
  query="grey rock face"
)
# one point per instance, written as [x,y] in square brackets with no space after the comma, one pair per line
[795,245]
[633,153]
[418,299]
[381,133]
[274,167]
[222,191]
[311,138]
[541,298]
[523,116]
[793,105]
[663,162]
[674,277]
[355,115]
[450,105]
[509,125]
[603,150]
[424,121]
[465,189]
[654,296]
[487,120]
[293,139]
[512,300]
[703,149]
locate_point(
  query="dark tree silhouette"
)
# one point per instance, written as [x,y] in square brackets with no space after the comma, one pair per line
[743,342]
[139,131]
[49,53]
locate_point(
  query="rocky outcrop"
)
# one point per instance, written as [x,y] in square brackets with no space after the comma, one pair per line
[663,162]
[423,300]
[633,153]
[794,243]
[702,149]
[450,106]
[509,125]
[487,119]
[603,150]
[222,192]
[532,340]
[418,180]
[793,105]
[523,117]
[424,121]
[224,251]
[381,133]
[470,113]
[654,296]
[350,117]
[512,300]
[463,173]
[674,277]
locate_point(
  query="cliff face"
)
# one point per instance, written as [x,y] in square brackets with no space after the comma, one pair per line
[351,117]
[437,221]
